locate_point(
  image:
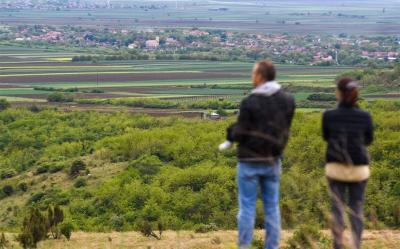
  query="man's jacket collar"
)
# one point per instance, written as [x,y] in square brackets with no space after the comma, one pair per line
[268,88]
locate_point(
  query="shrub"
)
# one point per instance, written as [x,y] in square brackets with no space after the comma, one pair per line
[216,240]
[117,222]
[36,197]
[321,97]
[34,108]
[7,174]
[66,230]
[205,228]
[76,167]
[147,165]
[146,229]
[59,97]
[222,112]
[42,169]
[4,243]
[308,237]
[80,182]
[54,168]
[8,190]
[4,104]
[257,243]
[23,186]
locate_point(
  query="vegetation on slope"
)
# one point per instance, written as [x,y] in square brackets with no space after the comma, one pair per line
[115,171]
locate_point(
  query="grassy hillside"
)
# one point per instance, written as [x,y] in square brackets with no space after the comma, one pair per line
[140,169]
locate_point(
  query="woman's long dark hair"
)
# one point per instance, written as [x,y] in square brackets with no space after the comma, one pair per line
[349,92]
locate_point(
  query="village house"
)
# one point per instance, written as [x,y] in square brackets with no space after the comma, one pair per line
[171,42]
[133,46]
[153,44]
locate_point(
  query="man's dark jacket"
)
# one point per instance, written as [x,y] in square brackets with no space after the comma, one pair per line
[348,130]
[262,129]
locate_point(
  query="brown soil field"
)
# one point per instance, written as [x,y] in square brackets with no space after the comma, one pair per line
[76,95]
[109,108]
[383,239]
[388,95]
[29,96]
[115,77]
[12,86]
[135,89]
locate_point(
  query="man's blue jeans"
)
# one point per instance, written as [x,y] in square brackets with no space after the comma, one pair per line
[250,176]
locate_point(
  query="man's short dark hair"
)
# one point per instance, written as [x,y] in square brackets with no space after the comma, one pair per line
[267,70]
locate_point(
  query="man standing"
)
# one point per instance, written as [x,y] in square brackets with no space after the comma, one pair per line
[262,132]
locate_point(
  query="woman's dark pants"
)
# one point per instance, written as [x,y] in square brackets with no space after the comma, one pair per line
[347,197]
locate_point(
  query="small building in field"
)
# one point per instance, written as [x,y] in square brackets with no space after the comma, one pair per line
[153,44]
[212,116]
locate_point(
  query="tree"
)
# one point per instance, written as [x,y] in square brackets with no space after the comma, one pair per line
[4,104]
[33,229]
[54,217]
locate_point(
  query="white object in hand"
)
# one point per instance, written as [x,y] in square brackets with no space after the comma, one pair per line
[225,145]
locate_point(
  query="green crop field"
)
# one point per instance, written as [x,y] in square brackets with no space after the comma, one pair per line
[23,70]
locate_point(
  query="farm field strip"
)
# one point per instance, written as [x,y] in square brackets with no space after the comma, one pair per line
[142,83]
[20,91]
[21,99]
[147,79]
[89,73]
[154,83]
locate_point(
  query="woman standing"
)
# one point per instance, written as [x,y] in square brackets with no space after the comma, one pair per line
[348,131]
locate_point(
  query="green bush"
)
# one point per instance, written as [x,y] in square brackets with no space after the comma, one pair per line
[8,190]
[76,167]
[42,169]
[7,174]
[308,237]
[206,228]
[54,168]
[146,228]
[23,186]
[66,229]
[147,165]
[257,243]
[80,182]
[321,97]
[117,222]
[59,97]
[36,197]
[4,104]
